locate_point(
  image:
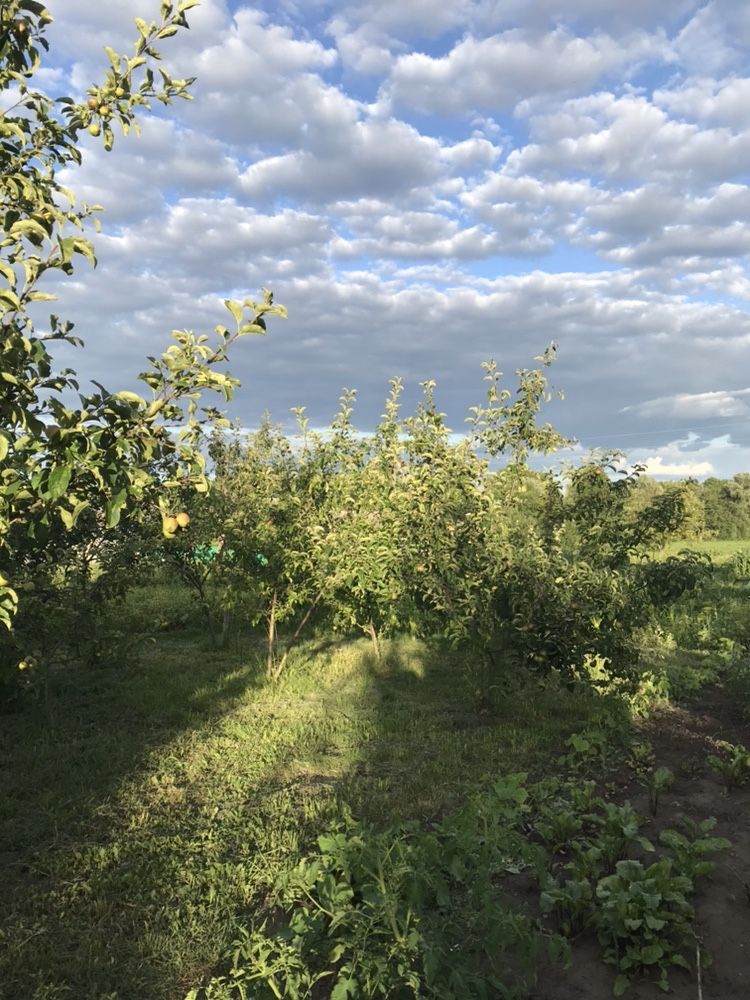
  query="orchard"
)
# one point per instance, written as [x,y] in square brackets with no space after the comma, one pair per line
[329,712]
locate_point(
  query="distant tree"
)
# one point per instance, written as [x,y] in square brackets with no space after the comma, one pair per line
[727,506]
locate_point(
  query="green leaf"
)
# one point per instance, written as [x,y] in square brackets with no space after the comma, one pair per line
[59,480]
[114,508]
[235,309]
[651,953]
[7,271]
[621,984]
[113,58]
[343,989]
[130,397]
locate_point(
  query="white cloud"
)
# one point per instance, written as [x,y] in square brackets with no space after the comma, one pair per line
[384,158]
[717,37]
[697,405]
[720,102]
[498,71]
[384,165]
[656,466]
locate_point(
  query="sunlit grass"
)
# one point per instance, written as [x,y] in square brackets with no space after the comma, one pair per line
[149,807]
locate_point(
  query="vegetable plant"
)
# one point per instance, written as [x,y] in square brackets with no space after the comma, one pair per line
[690,848]
[644,920]
[657,781]
[733,765]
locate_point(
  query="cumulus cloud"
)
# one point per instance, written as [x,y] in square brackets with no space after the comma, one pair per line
[426,186]
[657,466]
[385,158]
[628,138]
[716,38]
[498,71]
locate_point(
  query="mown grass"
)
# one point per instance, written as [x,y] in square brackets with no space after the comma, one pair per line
[720,550]
[149,806]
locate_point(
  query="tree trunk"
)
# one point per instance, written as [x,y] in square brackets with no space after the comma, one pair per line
[271,656]
[372,632]
[225,623]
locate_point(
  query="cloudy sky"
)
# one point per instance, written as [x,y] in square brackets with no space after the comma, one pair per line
[427,185]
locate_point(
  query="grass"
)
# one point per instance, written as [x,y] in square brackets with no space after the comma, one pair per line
[149,807]
[720,550]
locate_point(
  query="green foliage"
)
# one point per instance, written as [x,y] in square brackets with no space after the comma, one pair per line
[110,453]
[727,506]
[732,764]
[689,849]
[644,921]
[641,914]
[641,758]
[399,913]
[657,781]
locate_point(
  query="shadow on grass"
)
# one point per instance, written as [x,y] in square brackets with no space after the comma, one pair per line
[67,762]
[149,811]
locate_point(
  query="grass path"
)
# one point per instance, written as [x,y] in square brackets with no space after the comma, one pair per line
[148,809]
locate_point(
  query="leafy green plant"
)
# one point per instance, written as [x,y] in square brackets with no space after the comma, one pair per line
[644,920]
[402,913]
[558,826]
[657,780]
[590,746]
[641,758]
[587,863]
[733,765]
[689,849]
[618,832]
[571,903]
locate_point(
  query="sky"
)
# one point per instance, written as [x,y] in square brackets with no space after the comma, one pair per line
[426,186]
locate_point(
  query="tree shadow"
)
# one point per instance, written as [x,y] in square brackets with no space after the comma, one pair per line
[69,764]
[149,818]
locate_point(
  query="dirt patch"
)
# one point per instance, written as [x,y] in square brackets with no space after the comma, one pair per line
[682,736]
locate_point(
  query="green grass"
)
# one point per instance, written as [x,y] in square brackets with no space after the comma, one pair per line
[720,550]
[148,808]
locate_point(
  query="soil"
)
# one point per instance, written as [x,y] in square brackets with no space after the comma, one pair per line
[682,736]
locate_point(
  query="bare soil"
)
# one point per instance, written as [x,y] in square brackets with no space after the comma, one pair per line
[682,737]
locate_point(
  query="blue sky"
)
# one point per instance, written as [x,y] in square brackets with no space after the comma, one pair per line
[426,186]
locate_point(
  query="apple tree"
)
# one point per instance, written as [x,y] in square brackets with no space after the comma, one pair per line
[63,451]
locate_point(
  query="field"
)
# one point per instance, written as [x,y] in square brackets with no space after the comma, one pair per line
[720,551]
[150,806]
